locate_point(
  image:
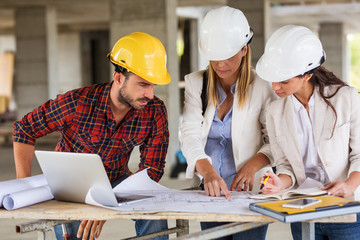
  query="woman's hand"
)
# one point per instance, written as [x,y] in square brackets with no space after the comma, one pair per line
[213,183]
[344,189]
[340,189]
[86,225]
[274,184]
[244,179]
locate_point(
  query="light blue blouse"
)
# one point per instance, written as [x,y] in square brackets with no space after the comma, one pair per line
[219,143]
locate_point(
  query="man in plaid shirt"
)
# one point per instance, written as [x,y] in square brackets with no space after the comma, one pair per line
[109,120]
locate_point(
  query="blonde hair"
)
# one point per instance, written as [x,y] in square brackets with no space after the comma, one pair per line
[242,83]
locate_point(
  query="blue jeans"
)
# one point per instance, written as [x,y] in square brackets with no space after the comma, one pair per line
[331,231]
[258,233]
[141,226]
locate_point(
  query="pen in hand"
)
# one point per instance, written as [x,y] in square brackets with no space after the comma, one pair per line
[263,183]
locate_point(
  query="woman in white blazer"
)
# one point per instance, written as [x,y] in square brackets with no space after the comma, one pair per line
[314,127]
[227,144]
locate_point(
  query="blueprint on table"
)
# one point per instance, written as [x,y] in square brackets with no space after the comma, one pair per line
[192,201]
[166,199]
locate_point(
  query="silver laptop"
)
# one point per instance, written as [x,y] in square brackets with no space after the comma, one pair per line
[71,175]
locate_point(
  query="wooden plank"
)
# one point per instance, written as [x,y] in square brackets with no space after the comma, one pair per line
[310,2]
[58,210]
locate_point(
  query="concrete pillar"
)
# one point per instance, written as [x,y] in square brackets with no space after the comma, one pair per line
[51,51]
[255,12]
[158,18]
[69,62]
[36,57]
[194,51]
[333,39]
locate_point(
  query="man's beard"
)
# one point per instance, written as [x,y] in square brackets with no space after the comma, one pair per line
[125,99]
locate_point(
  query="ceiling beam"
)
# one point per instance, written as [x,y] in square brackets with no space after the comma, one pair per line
[301,10]
[310,2]
[348,13]
[198,3]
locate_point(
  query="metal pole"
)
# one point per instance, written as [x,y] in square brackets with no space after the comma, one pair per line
[183,225]
[308,230]
[38,225]
[155,234]
[223,230]
[46,234]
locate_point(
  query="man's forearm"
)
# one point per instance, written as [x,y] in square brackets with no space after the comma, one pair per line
[23,155]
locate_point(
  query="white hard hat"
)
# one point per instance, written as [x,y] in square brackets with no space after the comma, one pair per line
[223,33]
[290,51]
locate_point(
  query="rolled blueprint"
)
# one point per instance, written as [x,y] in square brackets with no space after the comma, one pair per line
[27,197]
[16,185]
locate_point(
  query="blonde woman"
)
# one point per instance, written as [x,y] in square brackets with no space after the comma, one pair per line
[226,144]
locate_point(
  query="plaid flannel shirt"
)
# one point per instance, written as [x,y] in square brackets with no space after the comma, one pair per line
[86,124]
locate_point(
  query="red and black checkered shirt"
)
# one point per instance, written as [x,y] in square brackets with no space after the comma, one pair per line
[86,124]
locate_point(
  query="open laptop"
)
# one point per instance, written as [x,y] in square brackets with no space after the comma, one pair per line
[71,175]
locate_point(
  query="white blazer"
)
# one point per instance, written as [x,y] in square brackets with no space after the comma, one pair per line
[248,129]
[340,154]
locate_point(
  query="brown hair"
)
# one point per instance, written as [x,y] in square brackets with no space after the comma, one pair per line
[242,84]
[321,78]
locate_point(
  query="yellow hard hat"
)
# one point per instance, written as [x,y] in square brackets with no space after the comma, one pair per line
[143,55]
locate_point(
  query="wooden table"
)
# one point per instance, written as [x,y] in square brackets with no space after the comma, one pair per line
[55,212]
